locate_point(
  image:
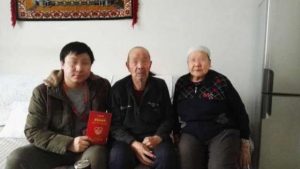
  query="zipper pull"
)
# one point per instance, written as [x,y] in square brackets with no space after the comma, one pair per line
[195,89]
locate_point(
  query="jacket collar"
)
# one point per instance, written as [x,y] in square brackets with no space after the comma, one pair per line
[130,83]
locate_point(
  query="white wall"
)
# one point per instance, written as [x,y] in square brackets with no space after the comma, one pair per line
[230,28]
[167,28]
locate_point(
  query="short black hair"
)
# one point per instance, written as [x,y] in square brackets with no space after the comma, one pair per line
[76,48]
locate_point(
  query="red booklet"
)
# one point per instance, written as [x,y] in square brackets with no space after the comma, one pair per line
[98,127]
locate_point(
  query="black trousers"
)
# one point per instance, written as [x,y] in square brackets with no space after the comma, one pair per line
[121,156]
[221,152]
[31,157]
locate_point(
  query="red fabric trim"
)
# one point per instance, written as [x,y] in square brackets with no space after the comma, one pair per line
[134,12]
[13,9]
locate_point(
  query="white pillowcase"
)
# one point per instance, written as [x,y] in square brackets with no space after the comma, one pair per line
[14,127]
[168,80]
[13,88]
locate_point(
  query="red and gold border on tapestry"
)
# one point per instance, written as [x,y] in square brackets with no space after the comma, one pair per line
[28,10]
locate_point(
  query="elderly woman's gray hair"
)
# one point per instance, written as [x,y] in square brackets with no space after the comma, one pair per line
[199,49]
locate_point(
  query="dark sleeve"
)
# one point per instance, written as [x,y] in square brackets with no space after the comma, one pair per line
[176,128]
[118,131]
[107,100]
[238,110]
[167,124]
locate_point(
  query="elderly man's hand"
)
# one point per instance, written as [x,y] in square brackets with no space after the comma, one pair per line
[152,141]
[143,153]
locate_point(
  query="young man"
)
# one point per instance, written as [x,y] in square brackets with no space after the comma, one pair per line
[142,118]
[58,113]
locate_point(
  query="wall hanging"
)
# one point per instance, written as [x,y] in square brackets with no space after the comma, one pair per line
[39,10]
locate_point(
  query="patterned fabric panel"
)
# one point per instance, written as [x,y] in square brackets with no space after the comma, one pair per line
[204,90]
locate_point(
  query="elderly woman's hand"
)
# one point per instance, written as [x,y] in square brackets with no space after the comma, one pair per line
[245,157]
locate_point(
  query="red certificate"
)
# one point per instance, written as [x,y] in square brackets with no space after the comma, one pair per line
[98,127]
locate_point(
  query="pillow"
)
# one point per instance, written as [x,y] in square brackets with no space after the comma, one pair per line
[168,80]
[15,88]
[14,127]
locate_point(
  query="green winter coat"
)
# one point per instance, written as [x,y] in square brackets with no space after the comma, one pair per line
[50,124]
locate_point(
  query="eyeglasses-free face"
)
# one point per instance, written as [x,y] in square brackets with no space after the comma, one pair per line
[77,69]
[198,65]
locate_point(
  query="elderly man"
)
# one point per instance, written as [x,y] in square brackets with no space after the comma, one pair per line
[142,117]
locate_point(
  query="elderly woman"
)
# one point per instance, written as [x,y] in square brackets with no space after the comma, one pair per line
[214,123]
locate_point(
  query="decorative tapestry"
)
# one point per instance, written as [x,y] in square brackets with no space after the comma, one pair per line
[36,10]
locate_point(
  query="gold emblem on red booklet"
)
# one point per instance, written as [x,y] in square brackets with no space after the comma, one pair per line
[98,127]
[98,130]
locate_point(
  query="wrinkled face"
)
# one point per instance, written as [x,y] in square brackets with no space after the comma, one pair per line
[198,64]
[139,64]
[77,69]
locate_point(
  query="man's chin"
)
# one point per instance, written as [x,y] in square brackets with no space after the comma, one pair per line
[141,77]
[79,80]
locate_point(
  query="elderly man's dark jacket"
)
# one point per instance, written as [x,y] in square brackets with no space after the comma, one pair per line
[153,116]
